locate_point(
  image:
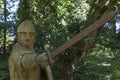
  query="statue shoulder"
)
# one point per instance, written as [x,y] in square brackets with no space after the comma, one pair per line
[20,49]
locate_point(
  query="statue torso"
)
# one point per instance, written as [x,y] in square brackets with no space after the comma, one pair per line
[17,72]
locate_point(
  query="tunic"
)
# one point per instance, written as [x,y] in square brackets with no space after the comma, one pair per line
[23,65]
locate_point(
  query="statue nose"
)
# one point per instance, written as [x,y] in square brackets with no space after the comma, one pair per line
[28,36]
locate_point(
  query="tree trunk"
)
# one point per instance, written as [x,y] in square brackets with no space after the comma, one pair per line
[5,20]
[102,8]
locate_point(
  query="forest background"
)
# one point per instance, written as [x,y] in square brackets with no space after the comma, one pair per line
[96,57]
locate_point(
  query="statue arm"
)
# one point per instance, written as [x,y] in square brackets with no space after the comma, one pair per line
[42,60]
[33,60]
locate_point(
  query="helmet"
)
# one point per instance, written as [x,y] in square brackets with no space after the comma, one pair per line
[26,26]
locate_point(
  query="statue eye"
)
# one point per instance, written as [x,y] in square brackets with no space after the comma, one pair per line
[32,34]
[23,33]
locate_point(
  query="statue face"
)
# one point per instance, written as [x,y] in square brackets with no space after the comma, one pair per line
[26,34]
[27,39]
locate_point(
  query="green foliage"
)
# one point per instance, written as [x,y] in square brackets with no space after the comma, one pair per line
[101,64]
[24,10]
[4,74]
[57,21]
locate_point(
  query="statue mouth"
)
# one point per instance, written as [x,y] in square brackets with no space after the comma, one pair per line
[29,45]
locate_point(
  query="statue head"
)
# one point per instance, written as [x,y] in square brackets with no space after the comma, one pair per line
[26,34]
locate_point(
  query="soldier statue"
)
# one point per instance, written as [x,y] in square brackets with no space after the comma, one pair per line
[24,62]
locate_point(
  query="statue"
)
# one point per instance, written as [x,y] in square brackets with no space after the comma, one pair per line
[24,62]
